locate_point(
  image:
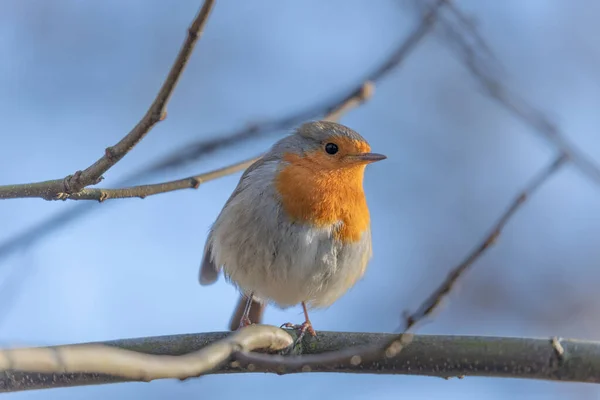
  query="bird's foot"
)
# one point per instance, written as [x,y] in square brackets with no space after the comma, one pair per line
[303,328]
[245,321]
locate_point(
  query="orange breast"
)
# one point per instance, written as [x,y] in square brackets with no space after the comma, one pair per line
[314,193]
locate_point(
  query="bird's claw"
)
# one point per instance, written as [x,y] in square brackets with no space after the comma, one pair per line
[245,321]
[303,328]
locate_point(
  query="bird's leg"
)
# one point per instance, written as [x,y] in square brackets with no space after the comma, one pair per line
[245,320]
[306,326]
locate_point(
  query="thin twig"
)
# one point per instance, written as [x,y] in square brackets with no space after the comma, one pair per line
[193,182]
[39,231]
[363,94]
[29,237]
[435,299]
[42,229]
[143,191]
[92,175]
[184,356]
[193,151]
[457,35]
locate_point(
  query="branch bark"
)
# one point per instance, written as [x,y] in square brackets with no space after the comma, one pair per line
[185,356]
[92,175]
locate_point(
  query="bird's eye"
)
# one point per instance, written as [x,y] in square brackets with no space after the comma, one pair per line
[331,148]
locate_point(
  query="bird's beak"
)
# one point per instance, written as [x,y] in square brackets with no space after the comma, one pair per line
[368,157]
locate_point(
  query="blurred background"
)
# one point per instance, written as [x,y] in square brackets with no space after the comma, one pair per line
[76,76]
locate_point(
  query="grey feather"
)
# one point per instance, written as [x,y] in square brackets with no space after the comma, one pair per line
[208,271]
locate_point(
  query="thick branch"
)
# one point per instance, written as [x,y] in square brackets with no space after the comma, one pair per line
[135,360]
[183,356]
[92,175]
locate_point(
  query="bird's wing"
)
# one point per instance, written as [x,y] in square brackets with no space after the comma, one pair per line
[209,272]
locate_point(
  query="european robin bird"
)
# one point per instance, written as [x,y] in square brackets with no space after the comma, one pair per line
[296,229]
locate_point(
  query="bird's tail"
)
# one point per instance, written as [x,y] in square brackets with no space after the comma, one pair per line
[256,312]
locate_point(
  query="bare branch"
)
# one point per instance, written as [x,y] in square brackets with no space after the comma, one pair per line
[193,182]
[64,188]
[92,175]
[184,356]
[39,231]
[36,233]
[439,355]
[363,94]
[143,191]
[193,151]
[458,35]
[436,298]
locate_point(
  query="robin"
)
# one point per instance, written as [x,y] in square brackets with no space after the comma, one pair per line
[296,229]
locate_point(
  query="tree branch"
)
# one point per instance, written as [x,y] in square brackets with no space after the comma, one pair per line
[92,175]
[39,231]
[126,360]
[362,94]
[468,44]
[436,298]
[194,150]
[143,191]
[193,182]
[29,237]
[185,356]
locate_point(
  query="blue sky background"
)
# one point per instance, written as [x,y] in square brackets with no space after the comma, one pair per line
[76,76]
